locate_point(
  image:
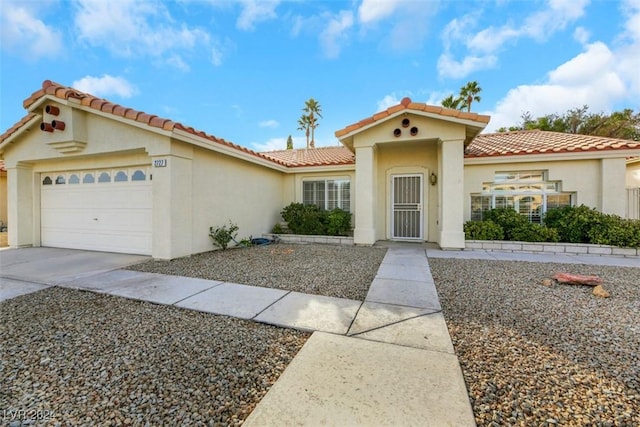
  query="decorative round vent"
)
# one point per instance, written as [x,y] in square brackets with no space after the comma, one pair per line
[405,123]
[414,131]
[397,132]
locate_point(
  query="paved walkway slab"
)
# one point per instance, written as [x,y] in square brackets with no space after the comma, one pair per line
[311,312]
[342,381]
[375,315]
[411,293]
[234,300]
[10,288]
[156,288]
[427,332]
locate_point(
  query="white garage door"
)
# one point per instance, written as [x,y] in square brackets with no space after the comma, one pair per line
[103,210]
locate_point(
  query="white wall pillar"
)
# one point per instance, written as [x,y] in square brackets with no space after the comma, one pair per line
[172,207]
[20,192]
[612,186]
[366,196]
[451,194]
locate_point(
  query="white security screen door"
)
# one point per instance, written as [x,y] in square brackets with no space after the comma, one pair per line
[406,209]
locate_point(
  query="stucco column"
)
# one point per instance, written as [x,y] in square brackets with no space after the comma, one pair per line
[172,207]
[365,195]
[451,194]
[612,186]
[20,188]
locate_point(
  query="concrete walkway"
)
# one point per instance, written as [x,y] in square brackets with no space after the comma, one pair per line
[387,360]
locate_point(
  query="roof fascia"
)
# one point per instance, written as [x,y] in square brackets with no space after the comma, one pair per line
[323,168]
[10,139]
[551,157]
[474,124]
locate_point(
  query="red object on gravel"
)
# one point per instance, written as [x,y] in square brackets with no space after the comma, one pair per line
[578,279]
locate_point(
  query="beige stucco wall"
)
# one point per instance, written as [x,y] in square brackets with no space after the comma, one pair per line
[598,183]
[3,196]
[227,189]
[632,175]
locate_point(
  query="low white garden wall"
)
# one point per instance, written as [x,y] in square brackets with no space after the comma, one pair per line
[560,248]
[301,238]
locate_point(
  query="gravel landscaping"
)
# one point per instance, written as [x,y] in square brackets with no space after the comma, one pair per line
[70,357]
[333,271]
[544,356]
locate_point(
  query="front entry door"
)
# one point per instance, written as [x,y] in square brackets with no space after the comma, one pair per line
[406,206]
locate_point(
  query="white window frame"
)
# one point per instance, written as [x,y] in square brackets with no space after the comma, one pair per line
[341,202]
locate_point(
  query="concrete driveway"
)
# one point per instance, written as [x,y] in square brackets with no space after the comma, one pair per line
[27,270]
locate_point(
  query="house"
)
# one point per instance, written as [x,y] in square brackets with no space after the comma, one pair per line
[86,173]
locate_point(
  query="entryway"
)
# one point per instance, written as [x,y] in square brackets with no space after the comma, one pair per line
[407,207]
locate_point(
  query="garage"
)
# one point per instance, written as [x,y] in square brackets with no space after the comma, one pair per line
[103,210]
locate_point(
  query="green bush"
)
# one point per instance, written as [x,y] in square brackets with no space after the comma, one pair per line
[311,220]
[529,232]
[573,222]
[222,236]
[508,219]
[338,222]
[615,231]
[483,230]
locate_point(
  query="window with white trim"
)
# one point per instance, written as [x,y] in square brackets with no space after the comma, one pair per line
[327,194]
[528,192]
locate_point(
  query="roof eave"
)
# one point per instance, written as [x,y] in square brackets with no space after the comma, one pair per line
[553,156]
[24,128]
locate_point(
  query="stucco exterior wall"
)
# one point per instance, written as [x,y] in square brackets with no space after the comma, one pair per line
[632,175]
[597,183]
[227,189]
[3,196]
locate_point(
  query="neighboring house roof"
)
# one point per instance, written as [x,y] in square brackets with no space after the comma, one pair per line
[542,142]
[321,156]
[407,105]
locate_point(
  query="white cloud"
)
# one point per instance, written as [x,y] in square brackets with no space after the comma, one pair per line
[254,11]
[27,35]
[581,35]
[269,124]
[487,42]
[133,28]
[591,78]
[376,10]
[450,68]
[105,86]
[335,33]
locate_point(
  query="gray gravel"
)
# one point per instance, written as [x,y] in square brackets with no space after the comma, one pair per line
[544,356]
[95,359]
[334,271]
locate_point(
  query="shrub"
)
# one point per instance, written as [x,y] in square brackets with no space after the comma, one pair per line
[508,219]
[222,235]
[483,230]
[572,222]
[615,231]
[277,229]
[338,222]
[309,219]
[529,232]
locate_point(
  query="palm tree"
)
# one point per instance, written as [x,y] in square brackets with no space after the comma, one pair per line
[312,107]
[469,93]
[303,124]
[451,102]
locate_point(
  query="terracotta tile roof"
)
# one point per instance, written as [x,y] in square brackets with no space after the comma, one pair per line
[90,101]
[541,142]
[321,156]
[407,104]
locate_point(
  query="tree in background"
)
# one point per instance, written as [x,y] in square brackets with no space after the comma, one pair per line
[451,102]
[313,110]
[623,124]
[304,124]
[289,143]
[468,94]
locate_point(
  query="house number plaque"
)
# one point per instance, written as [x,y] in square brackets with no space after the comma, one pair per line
[160,163]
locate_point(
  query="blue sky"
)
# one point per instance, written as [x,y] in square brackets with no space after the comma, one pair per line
[242,69]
